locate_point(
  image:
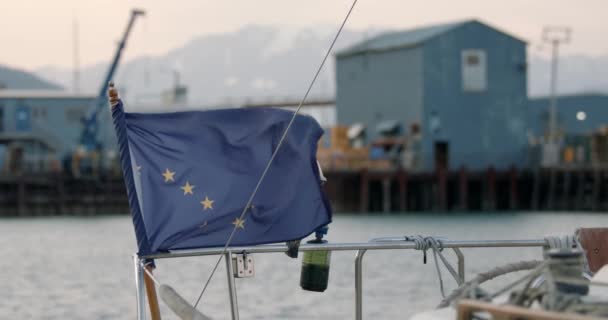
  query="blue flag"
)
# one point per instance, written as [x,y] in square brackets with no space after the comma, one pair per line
[189,176]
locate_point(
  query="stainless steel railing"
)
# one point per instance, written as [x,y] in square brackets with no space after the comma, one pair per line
[388,243]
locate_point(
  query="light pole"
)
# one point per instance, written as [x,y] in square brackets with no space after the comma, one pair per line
[554,36]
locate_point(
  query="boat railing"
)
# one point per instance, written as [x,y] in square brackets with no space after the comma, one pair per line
[387,243]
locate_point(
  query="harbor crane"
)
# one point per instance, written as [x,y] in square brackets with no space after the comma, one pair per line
[88,144]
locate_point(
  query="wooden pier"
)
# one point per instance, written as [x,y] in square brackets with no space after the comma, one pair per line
[557,189]
[57,194]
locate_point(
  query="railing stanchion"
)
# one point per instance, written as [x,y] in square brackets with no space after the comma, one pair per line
[359,285]
[139,287]
[234,305]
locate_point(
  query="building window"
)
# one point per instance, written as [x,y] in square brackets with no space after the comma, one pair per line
[74,114]
[22,118]
[474,70]
[472,60]
[39,113]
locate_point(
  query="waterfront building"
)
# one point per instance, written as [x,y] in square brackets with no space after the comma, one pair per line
[43,124]
[578,114]
[461,85]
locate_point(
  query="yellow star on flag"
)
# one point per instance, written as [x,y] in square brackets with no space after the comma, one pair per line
[168,174]
[239,223]
[207,204]
[187,188]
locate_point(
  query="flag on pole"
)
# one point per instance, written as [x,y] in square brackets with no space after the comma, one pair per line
[189,176]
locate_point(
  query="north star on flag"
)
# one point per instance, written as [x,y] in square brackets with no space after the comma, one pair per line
[190,175]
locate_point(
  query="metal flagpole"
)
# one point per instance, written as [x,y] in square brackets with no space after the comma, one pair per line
[554,36]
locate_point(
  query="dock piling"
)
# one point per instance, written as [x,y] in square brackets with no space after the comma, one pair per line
[441,188]
[536,189]
[386,195]
[364,191]
[490,198]
[402,181]
[551,190]
[565,196]
[463,193]
[21,205]
[513,196]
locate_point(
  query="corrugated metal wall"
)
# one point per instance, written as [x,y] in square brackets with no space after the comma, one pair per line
[416,84]
[379,86]
[486,128]
[593,109]
[58,119]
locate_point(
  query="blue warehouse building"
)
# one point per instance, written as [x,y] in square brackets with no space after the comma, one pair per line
[463,84]
[44,123]
[578,114]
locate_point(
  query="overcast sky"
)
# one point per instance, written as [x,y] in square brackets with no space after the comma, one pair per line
[39,33]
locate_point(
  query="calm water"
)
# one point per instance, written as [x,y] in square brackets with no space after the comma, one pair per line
[80,268]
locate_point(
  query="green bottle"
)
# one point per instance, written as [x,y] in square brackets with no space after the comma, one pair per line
[315,266]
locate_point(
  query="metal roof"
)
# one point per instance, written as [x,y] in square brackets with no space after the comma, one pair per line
[407,38]
[43,94]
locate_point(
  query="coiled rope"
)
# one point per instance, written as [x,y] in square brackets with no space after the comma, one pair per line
[553,242]
[486,276]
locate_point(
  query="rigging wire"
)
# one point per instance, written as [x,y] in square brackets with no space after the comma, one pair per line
[293,118]
[146,50]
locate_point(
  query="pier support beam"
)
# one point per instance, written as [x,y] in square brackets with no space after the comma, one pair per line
[442,189]
[580,190]
[565,196]
[402,181]
[21,209]
[364,191]
[536,189]
[513,197]
[551,191]
[60,200]
[491,189]
[463,189]
[386,195]
[596,189]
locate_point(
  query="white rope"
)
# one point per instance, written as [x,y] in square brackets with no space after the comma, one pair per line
[563,242]
[567,242]
[280,143]
[486,276]
[435,244]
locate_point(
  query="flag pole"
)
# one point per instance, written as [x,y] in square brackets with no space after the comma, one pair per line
[149,284]
[151,292]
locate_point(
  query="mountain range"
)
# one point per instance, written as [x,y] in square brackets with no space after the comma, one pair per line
[255,63]
[11,78]
[267,63]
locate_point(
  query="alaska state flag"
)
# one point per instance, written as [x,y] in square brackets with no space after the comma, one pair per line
[189,176]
